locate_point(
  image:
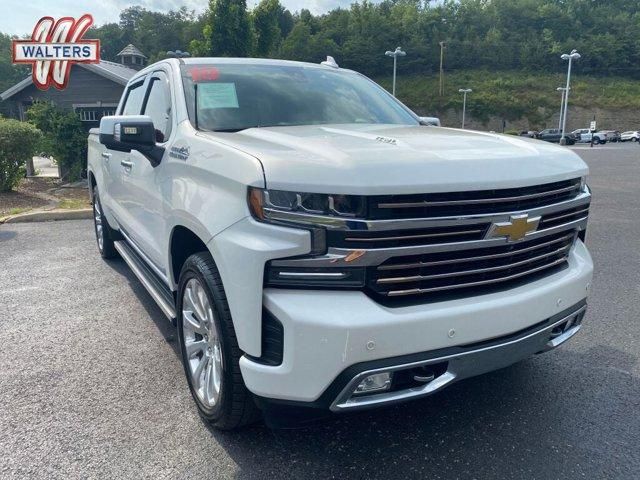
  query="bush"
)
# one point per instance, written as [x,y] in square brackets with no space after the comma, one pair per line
[18,142]
[64,137]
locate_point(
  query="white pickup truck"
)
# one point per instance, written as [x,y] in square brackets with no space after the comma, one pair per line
[322,250]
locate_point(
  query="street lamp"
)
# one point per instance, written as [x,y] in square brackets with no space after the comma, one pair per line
[395,54]
[562,90]
[464,91]
[574,55]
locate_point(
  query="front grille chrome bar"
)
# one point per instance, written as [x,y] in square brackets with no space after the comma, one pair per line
[404,266]
[417,278]
[399,224]
[414,237]
[344,257]
[477,201]
[418,291]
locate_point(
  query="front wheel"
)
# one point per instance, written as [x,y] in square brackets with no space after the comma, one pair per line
[210,352]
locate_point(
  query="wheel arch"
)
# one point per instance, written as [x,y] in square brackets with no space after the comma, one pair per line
[185,239]
[91,180]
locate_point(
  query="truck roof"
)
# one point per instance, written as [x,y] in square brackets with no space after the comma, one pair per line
[250,61]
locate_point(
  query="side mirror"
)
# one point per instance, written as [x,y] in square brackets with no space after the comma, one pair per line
[433,121]
[131,132]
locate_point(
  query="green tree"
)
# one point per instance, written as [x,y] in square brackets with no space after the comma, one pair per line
[18,143]
[230,33]
[64,136]
[266,23]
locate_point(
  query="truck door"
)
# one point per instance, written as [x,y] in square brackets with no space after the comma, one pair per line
[142,195]
[118,163]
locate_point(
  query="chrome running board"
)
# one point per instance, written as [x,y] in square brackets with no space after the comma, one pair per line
[158,291]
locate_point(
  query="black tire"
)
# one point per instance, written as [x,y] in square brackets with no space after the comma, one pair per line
[235,407]
[634,139]
[105,237]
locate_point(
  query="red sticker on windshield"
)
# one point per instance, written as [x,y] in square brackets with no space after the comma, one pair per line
[204,74]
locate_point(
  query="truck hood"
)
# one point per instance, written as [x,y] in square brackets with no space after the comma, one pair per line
[392,159]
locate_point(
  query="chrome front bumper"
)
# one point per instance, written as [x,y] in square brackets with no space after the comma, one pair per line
[474,361]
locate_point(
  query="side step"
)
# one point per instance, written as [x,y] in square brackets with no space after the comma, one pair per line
[158,290]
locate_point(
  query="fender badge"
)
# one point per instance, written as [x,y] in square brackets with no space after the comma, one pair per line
[181,153]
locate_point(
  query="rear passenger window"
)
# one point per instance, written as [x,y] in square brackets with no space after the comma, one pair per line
[133,102]
[158,106]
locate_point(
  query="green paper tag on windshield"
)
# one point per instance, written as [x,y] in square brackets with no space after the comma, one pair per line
[217,95]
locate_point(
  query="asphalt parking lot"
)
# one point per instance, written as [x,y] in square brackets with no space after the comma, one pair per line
[91,384]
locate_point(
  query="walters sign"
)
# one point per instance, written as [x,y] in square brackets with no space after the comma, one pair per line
[54,46]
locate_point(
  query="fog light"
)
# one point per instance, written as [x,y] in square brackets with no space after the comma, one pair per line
[374,383]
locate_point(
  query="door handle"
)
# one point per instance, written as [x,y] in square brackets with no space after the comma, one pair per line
[106,155]
[126,164]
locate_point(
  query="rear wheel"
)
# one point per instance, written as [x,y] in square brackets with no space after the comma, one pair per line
[210,352]
[104,233]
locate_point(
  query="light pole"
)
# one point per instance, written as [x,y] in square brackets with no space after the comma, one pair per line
[464,91]
[442,68]
[574,55]
[562,90]
[395,54]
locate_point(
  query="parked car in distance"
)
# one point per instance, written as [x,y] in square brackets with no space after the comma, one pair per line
[630,136]
[612,135]
[554,135]
[583,135]
[529,133]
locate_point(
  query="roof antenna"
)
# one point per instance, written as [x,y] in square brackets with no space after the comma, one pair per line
[330,62]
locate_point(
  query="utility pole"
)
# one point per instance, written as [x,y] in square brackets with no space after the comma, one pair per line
[442,68]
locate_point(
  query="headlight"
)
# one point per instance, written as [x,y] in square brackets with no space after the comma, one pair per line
[316,209]
[583,183]
[315,212]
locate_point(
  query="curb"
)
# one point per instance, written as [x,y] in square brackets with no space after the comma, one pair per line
[49,215]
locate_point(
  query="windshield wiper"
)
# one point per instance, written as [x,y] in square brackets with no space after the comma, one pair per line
[233,130]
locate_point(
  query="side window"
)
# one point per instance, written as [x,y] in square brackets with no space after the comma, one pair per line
[158,106]
[133,102]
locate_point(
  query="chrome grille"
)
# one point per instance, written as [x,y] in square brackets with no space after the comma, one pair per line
[463,269]
[418,248]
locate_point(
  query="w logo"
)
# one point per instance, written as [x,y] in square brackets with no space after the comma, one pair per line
[54,47]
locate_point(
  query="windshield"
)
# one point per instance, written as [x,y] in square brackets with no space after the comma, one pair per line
[232,97]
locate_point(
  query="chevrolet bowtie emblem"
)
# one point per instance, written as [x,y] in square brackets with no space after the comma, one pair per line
[515,229]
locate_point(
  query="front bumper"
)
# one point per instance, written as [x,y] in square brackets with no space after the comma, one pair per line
[468,362]
[328,332]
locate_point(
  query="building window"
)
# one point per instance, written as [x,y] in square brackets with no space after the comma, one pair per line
[88,115]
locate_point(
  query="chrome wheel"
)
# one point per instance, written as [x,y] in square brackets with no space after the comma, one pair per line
[203,354]
[97,217]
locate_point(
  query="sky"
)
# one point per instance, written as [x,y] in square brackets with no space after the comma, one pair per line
[18,17]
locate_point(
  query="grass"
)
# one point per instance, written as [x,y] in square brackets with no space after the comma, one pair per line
[16,211]
[74,203]
[513,94]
